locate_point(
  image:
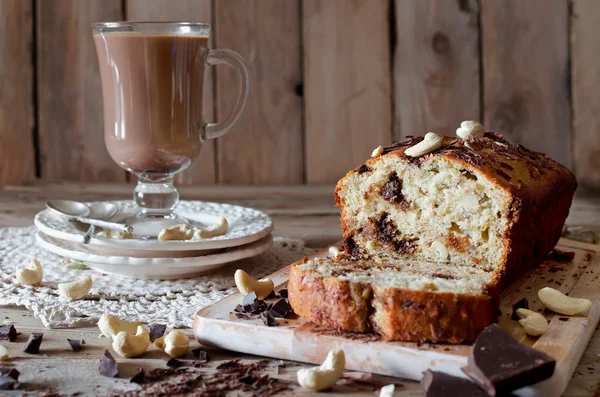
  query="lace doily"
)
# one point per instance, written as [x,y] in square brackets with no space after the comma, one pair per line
[171,302]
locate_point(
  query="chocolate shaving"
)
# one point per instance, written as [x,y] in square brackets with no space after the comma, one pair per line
[138,377]
[159,373]
[283,292]
[32,346]
[562,256]
[201,354]
[268,319]
[229,364]
[76,344]
[156,331]
[108,366]
[280,309]
[8,332]
[8,383]
[522,304]
[10,372]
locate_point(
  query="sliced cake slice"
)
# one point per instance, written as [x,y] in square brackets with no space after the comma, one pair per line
[402,299]
[480,201]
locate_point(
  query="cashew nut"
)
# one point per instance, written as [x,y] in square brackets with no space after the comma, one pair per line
[175,344]
[534,323]
[470,128]
[387,391]
[440,249]
[218,229]
[246,284]
[131,345]
[3,353]
[430,143]
[324,376]
[116,234]
[377,151]
[32,274]
[111,325]
[334,250]
[563,304]
[177,232]
[75,289]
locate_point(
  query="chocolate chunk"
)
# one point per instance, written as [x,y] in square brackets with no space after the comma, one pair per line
[280,309]
[201,354]
[392,191]
[138,377]
[76,344]
[562,256]
[250,298]
[364,168]
[32,346]
[522,304]
[174,363]
[8,383]
[268,319]
[271,295]
[8,332]
[108,366]
[283,292]
[10,372]
[156,331]
[239,309]
[439,384]
[500,364]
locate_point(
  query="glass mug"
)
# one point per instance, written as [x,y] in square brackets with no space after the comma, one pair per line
[152,87]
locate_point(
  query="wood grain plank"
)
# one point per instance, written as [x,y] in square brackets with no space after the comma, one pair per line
[526,74]
[347,84]
[17,153]
[436,66]
[71,133]
[585,41]
[265,147]
[202,171]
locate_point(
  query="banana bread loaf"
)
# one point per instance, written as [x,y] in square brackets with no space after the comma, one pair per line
[410,301]
[480,201]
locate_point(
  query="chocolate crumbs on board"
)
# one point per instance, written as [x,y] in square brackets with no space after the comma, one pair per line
[8,332]
[32,346]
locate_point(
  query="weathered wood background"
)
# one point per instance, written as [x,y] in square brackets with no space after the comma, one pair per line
[331,80]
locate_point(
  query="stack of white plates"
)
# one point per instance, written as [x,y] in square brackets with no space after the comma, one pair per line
[249,234]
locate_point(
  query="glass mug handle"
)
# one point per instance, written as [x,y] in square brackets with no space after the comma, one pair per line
[234,60]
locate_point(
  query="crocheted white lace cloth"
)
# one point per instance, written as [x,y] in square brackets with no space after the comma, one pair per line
[172,302]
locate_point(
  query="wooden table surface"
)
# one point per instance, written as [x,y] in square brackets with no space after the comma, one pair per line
[305,212]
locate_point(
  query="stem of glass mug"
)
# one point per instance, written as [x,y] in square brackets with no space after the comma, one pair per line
[156,197]
[234,60]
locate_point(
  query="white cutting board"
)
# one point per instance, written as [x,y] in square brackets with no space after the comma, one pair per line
[298,340]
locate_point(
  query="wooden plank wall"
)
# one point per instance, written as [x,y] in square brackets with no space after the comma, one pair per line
[331,80]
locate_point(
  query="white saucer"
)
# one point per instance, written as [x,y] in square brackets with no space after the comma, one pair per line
[152,268]
[245,226]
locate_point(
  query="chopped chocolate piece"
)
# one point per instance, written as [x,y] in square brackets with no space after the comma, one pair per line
[8,332]
[32,346]
[280,309]
[108,366]
[138,377]
[364,168]
[562,256]
[283,292]
[250,298]
[239,309]
[174,363]
[8,383]
[271,295]
[10,372]
[500,364]
[439,384]
[76,344]
[522,304]
[268,319]
[156,331]
[201,354]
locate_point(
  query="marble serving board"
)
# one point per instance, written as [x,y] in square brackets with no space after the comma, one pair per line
[298,340]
